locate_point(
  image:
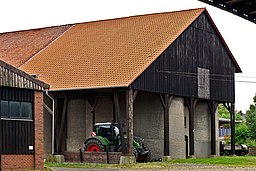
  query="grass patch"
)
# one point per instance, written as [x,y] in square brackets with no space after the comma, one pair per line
[224,161]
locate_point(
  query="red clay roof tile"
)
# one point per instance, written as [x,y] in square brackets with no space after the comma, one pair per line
[109,53]
[18,47]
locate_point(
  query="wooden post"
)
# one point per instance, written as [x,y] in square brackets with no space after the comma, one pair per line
[212,105]
[166,125]
[129,112]
[191,104]
[232,116]
[231,109]
[93,112]
[117,111]
[63,119]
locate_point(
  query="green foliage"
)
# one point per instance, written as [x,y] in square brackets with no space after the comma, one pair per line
[250,142]
[251,119]
[224,113]
[242,133]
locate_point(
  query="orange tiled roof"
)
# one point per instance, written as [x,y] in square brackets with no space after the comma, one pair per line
[108,53]
[17,47]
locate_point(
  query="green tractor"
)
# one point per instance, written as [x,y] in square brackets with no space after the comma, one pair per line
[107,135]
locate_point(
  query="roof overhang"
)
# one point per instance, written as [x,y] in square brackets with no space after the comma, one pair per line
[13,77]
[242,8]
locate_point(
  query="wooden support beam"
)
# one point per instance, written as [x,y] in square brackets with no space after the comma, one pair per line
[191,104]
[129,113]
[135,94]
[93,112]
[117,111]
[63,120]
[212,105]
[232,125]
[162,100]
[231,108]
[166,126]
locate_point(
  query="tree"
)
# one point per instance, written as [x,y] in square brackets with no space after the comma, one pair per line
[224,113]
[251,118]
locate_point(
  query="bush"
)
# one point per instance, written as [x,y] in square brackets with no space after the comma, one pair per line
[250,142]
[242,133]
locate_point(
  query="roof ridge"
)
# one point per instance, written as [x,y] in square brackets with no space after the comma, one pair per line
[108,19]
[35,29]
[140,15]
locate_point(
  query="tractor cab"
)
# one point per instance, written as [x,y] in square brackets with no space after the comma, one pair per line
[107,130]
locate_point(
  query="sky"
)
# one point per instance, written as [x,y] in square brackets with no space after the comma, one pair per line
[239,34]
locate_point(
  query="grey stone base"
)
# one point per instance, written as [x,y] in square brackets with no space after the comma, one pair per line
[59,158]
[127,160]
[166,158]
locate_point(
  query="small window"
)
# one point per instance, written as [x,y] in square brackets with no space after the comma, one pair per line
[14,108]
[4,108]
[26,110]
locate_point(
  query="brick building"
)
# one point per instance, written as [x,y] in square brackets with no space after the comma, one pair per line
[21,123]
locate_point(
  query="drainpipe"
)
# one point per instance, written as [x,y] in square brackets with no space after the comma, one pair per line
[53,118]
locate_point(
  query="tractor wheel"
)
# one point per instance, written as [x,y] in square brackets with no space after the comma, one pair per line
[146,157]
[93,145]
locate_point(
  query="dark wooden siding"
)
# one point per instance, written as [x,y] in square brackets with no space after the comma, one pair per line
[16,94]
[175,71]
[16,135]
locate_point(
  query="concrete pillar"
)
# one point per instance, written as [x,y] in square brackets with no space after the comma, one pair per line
[177,130]
[76,124]
[202,130]
[149,123]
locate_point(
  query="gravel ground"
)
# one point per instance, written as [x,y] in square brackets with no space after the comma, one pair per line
[174,167]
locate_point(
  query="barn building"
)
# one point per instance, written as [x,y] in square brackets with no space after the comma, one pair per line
[21,123]
[162,74]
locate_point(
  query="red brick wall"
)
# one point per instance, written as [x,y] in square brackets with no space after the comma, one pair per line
[39,131]
[15,162]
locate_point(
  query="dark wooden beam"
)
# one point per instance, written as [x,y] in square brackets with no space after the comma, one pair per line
[117,112]
[166,126]
[232,125]
[231,108]
[162,100]
[129,113]
[191,104]
[212,105]
[63,120]
[93,112]
[135,94]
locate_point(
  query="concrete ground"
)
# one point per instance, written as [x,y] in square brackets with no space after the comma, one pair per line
[174,167]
